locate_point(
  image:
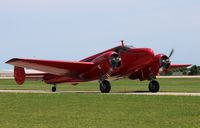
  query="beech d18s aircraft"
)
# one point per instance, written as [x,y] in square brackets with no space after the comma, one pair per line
[115,63]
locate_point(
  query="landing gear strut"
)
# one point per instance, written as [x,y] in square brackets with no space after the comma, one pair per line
[53,89]
[105,86]
[154,86]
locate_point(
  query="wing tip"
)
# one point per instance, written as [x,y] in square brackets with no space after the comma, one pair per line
[181,65]
[11,60]
[187,65]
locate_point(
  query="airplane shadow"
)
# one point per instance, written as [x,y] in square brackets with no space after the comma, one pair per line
[98,92]
[131,92]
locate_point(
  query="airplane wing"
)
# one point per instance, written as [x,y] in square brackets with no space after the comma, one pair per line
[60,68]
[175,66]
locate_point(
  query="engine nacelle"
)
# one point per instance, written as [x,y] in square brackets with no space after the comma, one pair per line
[161,61]
[105,65]
[108,61]
[19,75]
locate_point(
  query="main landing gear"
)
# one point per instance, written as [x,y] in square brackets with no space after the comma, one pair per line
[53,89]
[105,86]
[154,86]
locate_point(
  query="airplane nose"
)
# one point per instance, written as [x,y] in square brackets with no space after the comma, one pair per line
[143,52]
[142,56]
[149,52]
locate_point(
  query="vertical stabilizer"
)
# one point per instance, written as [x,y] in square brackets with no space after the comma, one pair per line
[19,75]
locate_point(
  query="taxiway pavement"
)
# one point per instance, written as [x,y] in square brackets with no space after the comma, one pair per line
[112,93]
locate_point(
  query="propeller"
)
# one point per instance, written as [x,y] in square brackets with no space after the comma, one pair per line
[165,60]
[115,61]
[171,53]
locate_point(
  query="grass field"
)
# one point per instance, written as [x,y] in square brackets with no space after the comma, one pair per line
[172,85]
[98,111]
[75,110]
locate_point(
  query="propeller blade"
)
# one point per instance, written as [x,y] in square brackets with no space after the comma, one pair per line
[171,53]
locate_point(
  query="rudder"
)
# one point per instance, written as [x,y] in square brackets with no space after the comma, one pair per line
[19,75]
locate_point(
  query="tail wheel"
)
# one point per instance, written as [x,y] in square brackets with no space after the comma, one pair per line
[105,86]
[53,89]
[154,86]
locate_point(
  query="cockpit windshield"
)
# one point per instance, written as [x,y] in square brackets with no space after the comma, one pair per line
[123,48]
[129,46]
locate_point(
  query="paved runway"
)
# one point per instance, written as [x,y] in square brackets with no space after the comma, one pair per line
[113,93]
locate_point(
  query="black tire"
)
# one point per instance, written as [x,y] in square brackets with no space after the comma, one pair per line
[53,89]
[154,86]
[105,86]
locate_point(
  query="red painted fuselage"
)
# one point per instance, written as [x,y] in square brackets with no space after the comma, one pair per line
[136,63]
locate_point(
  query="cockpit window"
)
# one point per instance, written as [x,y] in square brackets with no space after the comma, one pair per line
[129,46]
[121,48]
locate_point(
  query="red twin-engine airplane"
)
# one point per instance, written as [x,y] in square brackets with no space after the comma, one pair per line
[115,63]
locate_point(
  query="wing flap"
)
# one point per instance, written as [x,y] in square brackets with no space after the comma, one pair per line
[35,76]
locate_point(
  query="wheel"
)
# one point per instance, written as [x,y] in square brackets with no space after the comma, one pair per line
[53,89]
[154,86]
[105,86]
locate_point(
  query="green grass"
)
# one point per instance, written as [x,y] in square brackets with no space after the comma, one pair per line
[98,111]
[172,85]
[82,110]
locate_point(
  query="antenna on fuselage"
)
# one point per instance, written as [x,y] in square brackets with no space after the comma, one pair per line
[122,41]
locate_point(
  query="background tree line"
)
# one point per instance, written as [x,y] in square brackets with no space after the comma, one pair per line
[193,70]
